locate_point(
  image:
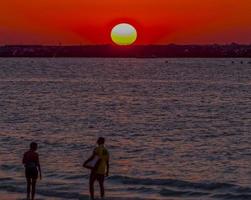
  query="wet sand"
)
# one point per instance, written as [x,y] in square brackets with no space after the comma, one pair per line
[20,196]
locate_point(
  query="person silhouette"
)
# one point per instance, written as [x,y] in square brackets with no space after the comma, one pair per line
[32,167]
[99,165]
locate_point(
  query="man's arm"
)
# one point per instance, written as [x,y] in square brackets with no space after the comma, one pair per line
[108,166]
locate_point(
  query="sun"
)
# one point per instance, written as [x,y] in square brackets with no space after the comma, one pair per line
[124,34]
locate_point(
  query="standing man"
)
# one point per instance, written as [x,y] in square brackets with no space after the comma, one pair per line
[100,168]
[32,167]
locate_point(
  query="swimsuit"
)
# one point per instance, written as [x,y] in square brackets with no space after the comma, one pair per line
[31,162]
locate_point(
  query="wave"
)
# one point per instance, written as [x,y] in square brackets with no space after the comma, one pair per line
[155,187]
[5,167]
[171,183]
[5,179]
[230,196]
[45,193]
[180,188]
[73,177]
[176,193]
[59,194]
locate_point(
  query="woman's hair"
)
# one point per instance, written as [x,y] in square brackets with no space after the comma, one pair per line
[33,146]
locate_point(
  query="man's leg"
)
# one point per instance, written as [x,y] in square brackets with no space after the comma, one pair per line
[91,185]
[101,179]
[33,189]
[28,180]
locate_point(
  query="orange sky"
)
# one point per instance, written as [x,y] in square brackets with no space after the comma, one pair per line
[157,21]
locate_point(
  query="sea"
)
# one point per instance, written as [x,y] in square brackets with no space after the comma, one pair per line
[176,129]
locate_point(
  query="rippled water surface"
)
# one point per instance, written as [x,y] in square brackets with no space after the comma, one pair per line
[175,130]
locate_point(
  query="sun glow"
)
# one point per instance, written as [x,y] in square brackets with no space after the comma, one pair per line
[124,34]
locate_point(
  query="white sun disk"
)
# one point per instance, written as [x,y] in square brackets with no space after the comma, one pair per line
[123,29]
[124,34]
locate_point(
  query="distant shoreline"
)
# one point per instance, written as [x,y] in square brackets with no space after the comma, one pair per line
[140,51]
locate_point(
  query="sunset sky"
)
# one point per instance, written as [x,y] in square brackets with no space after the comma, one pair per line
[157,21]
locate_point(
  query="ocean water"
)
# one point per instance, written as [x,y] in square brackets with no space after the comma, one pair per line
[175,130]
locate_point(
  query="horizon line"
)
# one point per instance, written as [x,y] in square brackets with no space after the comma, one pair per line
[134,45]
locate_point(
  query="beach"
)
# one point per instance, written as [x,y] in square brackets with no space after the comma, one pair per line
[176,129]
